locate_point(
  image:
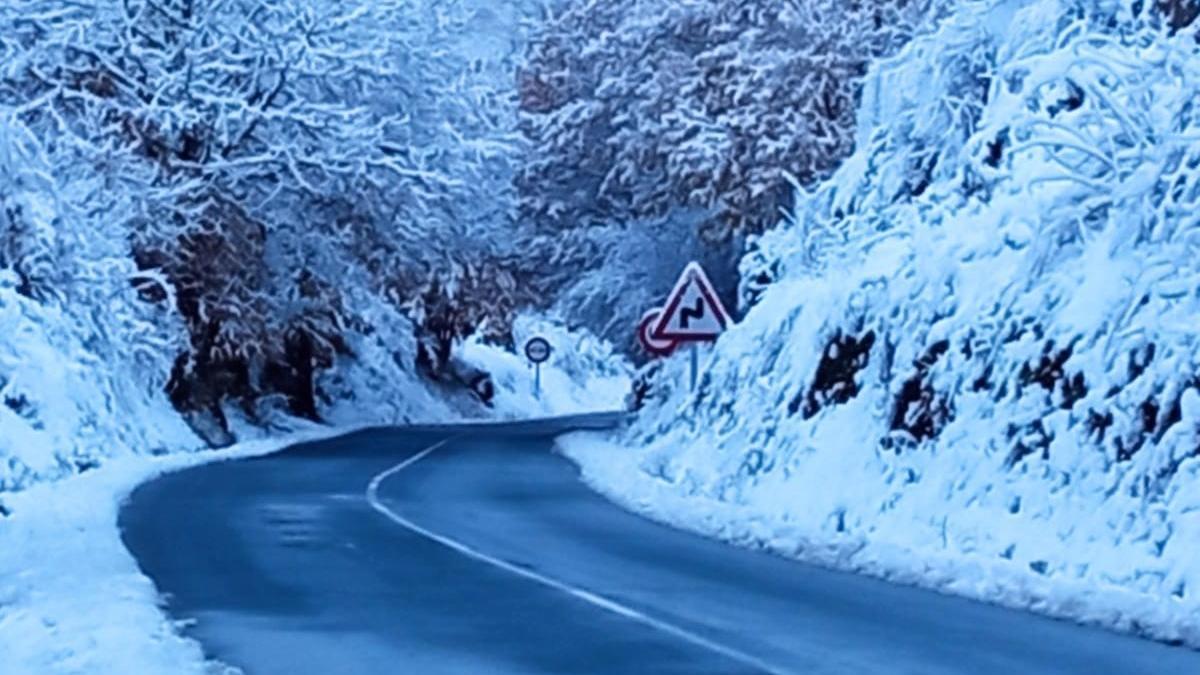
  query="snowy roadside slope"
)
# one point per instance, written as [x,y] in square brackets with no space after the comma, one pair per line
[71,396]
[971,358]
[83,362]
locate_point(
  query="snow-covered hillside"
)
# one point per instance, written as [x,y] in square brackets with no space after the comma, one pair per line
[83,363]
[969,360]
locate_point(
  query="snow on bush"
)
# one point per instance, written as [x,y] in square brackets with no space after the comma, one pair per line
[583,373]
[970,357]
[82,361]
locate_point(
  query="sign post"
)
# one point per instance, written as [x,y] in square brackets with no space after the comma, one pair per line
[693,313]
[537,350]
[695,365]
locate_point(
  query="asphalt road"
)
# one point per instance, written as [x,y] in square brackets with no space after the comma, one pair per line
[478,550]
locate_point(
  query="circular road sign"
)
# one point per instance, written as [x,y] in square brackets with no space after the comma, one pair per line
[646,335]
[537,350]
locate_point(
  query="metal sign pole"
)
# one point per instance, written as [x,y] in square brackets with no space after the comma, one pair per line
[695,365]
[537,381]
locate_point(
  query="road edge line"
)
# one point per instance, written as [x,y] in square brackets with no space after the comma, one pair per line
[606,604]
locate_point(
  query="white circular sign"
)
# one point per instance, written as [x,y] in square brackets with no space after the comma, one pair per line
[538,350]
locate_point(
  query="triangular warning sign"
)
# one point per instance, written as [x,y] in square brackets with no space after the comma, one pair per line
[693,313]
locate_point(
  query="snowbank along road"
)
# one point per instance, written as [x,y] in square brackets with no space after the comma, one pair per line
[477,550]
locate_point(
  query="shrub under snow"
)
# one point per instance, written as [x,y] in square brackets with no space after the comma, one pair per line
[287,170]
[82,360]
[971,357]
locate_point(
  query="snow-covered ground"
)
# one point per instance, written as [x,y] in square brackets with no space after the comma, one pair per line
[83,363]
[968,360]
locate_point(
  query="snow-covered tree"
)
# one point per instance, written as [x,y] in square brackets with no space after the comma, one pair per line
[273,155]
[636,108]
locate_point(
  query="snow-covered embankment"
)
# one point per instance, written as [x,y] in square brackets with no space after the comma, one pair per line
[971,358]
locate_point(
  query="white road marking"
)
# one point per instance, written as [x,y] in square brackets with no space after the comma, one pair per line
[593,599]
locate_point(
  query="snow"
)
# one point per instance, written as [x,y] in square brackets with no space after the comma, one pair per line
[584,373]
[1013,237]
[57,393]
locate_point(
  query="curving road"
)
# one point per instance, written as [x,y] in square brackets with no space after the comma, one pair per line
[478,550]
